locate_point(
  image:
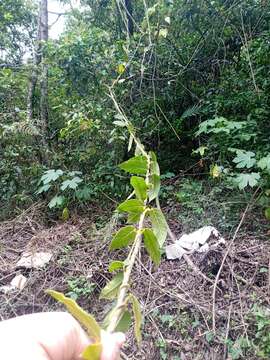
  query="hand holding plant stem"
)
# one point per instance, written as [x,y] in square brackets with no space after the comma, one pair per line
[146,188]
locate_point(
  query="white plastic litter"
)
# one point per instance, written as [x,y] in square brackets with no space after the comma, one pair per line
[18,282]
[34,260]
[196,241]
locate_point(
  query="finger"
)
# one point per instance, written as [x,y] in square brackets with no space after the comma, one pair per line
[111,345]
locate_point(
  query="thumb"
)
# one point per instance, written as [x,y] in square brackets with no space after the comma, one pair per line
[111,344]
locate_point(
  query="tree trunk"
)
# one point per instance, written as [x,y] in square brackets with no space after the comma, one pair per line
[44,70]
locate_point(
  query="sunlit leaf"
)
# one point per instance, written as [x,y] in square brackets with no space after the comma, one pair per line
[215,171]
[92,352]
[132,206]
[119,123]
[110,291]
[152,245]
[87,320]
[138,317]
[154,167]
[121,68]
[116,265]
[133,217]
[140,187]
[123,237]
[135,165]
[163,32]
[130,142]
[159,225]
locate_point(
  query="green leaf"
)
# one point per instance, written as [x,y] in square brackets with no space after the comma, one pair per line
[139,185]
[124,323]
[163,32]
[264,163]
[135,165]
[92,352]
[152,245]
[87,320]
[243,180]
[56,201]
[159,224]
[132,206]
[116,265]
[244,159]
[133,217]
[137,316]
[110,291]
[267,213]
[123,237]
[154,167]
[155,186]
[51,175]
[43,188]
[71,183]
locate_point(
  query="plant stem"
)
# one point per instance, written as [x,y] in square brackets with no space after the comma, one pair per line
[121,300]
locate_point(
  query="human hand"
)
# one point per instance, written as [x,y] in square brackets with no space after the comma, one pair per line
[51,336]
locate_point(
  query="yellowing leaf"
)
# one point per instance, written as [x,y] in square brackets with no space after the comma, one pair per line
[87,320]
[65,214]
[159,225]
[92,352]
[111,289]
[138,317]
[215,171]
[121,68]
[151,245]
[163,32]
[140,187]
[123,237]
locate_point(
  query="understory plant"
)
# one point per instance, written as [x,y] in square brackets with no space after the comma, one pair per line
[145,181]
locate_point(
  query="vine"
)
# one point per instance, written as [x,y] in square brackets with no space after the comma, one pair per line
[145,181]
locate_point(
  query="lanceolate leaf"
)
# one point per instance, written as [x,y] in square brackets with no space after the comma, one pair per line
[154,168]
[135,165]
[124,323]
[152,245]
[138,318]
[92,352]
[116,265]
[82,316]
[123,237]
[155,183]
[111,289]
[159,224]
[139,186]
[132,206]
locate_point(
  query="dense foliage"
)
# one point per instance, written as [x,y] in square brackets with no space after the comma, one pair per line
[192,77]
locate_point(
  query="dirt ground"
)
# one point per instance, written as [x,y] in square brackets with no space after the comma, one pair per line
[207,311]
